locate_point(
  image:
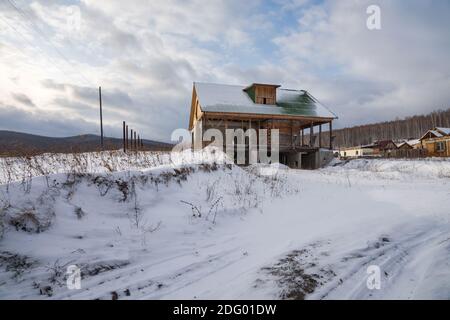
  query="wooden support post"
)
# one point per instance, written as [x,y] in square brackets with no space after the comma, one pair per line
[101,116]
[303,137]
[131,142]
[138,142]
[123,138]
[331,135]
[292,134]
[320,136]
[126,138]
[135,146]
[311,134]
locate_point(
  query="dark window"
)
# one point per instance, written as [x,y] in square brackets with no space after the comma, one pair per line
[440,146]
[264,100]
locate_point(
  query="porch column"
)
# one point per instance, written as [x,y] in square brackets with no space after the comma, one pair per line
[331,135]
[311,134]
[320,136]
[292,134]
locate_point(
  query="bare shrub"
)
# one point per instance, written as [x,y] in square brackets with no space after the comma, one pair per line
[28,220]
[136,215]
[122,186]
[244,195]
[72,180]
[144,229]
[57,272]
[79,212]
[103,184]
[4,205]
[15,263]
[214,207]
[27,176]
[196,211]
[35,215]
[211,190]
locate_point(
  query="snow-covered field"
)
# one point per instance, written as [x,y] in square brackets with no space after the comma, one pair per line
[141,228]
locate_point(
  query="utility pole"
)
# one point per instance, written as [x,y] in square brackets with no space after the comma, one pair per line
[123,138]
[101,115]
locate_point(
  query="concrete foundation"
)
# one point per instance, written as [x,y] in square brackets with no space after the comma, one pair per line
[306,160]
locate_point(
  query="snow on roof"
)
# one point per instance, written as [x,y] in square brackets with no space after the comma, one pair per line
[233,98]
[434,132]
[445,131]
[413,142]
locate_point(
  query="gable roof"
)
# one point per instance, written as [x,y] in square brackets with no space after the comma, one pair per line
[404,144]
[437,132]
[411,142]
[233,99]
[383,144]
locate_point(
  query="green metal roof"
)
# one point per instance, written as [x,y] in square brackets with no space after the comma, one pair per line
[233,99]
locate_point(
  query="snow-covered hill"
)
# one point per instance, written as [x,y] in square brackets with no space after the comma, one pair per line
[142,228]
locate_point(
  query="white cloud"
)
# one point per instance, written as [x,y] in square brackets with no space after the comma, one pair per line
[372,75]
[146,54]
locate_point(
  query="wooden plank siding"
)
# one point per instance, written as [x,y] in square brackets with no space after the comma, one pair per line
[265,94]
[289,130]
[431,146]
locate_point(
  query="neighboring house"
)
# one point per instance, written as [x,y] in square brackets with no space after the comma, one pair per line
[404,146]
[437,142]
[356,152]
[264,106]
[415,143]
[409,144]
[383,147]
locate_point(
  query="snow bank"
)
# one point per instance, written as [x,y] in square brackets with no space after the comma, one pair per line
[395,168]
[22,168]
[190,227]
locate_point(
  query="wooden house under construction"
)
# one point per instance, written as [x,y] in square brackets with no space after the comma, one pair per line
[298,116]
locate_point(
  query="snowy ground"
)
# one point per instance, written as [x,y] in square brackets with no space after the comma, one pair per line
[207,231]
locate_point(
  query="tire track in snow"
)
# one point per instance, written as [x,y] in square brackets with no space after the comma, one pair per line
[124,279]
[392,257]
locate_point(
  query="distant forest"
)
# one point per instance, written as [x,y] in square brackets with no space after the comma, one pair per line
[409,128]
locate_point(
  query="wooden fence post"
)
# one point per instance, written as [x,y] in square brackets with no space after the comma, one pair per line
[123,138]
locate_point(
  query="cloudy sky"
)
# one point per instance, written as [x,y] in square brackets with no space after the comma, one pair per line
[146,54]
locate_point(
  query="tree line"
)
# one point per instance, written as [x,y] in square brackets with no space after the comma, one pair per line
[408,128]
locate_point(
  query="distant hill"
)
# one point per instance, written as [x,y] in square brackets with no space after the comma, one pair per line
[18,143]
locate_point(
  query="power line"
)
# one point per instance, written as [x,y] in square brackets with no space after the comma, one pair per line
[30,43]
[41,34]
